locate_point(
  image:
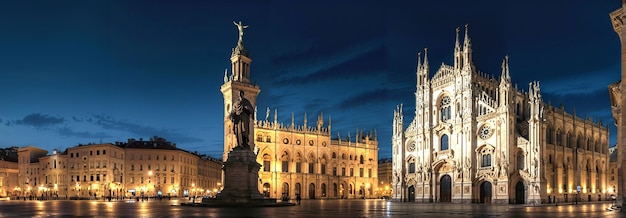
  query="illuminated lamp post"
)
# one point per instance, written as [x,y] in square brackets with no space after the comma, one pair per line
[193,189]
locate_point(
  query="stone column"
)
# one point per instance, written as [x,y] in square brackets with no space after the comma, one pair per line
[617,19]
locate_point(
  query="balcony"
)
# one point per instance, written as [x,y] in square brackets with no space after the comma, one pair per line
[445,154]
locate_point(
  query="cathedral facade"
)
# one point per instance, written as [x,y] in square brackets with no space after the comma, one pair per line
[479,139]
[299,160]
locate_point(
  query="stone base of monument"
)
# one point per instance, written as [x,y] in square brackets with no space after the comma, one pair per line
[241,178]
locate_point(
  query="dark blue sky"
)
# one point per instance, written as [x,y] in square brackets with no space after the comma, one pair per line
[102,71]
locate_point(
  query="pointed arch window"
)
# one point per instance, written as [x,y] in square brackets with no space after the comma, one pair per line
[411,164]
[266,162]
[444,142]
[520,160]
[445,108]
[597,178]
[285,162]
[549,135]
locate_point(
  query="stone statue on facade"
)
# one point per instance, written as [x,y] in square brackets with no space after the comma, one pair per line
[419,174]
[459,169]
[241,115]
[496,172]
[240,27]
[535,167]
[504,165]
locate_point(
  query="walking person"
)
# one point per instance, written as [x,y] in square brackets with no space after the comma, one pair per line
[298,199]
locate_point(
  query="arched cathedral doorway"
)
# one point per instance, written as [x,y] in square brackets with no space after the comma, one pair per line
[519,193]
[411,194]
[445,189]
[485,192]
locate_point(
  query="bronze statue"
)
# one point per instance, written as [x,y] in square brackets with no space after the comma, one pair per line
[241,115]
[240,27]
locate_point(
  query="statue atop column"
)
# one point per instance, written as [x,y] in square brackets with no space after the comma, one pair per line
[240,27]
[241,115]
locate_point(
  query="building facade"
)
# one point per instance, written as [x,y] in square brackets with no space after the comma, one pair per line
[9,172]
[478,139]
[385,172]
[136,168]
[92,170]
[305,161]
[299,160]
[29,178]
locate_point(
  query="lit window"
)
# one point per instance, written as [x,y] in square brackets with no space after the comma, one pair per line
[444,142]
[486,160]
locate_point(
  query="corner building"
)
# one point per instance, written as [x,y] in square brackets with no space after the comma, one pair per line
[299,160]
[478,139]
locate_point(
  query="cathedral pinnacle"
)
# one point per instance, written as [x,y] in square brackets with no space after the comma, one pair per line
[456,42]
[419,62]
[505,77]
[426,58]
[225,75]
[466,41]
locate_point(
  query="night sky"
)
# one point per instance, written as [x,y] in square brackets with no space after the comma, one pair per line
[75,72]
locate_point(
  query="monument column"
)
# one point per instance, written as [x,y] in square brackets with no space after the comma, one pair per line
[241,170]
[238,80]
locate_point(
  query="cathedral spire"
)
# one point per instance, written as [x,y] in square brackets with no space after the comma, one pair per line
[467,49]
[466,42]
[425,65]
[457,50]
[419,69]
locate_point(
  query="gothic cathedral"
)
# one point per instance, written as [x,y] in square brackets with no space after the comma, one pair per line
[478,139]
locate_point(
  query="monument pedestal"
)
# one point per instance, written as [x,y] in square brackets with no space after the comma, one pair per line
[241,177]
[241,183]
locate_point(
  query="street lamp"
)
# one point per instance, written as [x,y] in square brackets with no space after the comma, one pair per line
[387,189]
[77,189]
